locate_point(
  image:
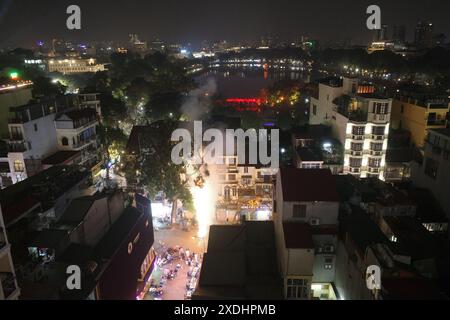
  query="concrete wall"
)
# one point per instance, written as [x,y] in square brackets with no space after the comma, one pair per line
[300,262]
[349,281]
[42,140]
[440,187]
[326,212]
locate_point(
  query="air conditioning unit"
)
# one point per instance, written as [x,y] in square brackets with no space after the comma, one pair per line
[328,248]
[314,222]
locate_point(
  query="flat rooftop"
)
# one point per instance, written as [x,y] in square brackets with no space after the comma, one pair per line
[240,263]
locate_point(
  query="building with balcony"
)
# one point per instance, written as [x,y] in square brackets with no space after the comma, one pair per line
[42,134]
[32,136]
[9,289]
[306,226]
[243,190]
[417,112]
[359,119]
[76,131]
[434,171]
[112,244]
[91,100]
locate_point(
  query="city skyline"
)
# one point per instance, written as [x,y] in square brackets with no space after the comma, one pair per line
[23,24]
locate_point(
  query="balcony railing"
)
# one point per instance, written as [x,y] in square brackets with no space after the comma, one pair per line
[16,137]
[436,123]
[376,153]
[18,146]
[358,136]
[355,153]
[377,137]
[83,143]
[8,283]
[374,170]
[264,179]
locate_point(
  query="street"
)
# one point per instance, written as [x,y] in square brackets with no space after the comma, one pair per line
[174,237]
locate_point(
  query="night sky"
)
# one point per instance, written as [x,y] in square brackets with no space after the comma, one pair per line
[22,22]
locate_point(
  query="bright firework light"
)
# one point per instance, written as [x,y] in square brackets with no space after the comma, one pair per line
[205,207]
[204,189]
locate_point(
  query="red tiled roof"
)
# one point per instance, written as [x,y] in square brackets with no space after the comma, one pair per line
[308,185]
[297,235]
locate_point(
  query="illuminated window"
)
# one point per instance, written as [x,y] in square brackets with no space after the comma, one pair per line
[356,146]
[374,163]
[358,130]
[378,130]
[355,162]
[376,146]
[18,166]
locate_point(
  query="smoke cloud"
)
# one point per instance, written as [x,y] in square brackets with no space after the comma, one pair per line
[199,100]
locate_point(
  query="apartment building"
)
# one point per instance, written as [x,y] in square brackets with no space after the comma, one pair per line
[306,224]
[76,131]
[91,100]
[418,112]
[51,132]
[433,173]
[243,190]
[359,119]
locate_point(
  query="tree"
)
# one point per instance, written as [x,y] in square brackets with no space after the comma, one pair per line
[44,87]
[114,140]
[113,109]
[156,170]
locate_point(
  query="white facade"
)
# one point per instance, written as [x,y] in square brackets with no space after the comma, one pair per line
[243,190]
[30,142]
[39,131]
[361,125]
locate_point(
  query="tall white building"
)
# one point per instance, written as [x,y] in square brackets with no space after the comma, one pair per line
[9,290]
[359,119]
[56,130]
